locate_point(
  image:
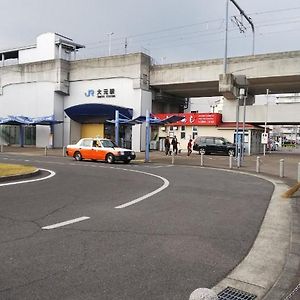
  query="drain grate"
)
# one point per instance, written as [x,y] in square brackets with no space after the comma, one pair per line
[233,294]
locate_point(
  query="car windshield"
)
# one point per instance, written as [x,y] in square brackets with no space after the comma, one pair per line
[108,144]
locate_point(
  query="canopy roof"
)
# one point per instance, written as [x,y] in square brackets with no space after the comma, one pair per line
[22,120]
[96,112]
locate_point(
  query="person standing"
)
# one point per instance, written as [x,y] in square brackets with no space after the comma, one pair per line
[174,145]
[167,145]
[189,147]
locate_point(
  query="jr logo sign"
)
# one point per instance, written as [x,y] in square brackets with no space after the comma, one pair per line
[101,93]
[89,93]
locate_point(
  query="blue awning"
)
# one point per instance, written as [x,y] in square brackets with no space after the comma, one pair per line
[96,112]
[153,120]
[23,120]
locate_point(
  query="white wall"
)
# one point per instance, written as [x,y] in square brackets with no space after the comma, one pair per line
[45,49]
[139,135]
[31,100]
[28,99]
[75,132]
[42,136]
[58,115]
[125,95]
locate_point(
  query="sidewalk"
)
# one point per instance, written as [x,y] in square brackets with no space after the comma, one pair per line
[269,163]
[289,276]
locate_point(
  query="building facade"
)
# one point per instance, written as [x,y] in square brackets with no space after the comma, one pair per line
[44,79]
[206,124]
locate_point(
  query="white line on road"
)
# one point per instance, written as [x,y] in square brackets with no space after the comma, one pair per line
[65,223]
[52,173]
[164,186]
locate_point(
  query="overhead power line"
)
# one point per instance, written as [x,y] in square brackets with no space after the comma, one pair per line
[188,33]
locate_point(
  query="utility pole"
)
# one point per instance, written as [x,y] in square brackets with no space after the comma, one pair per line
[125,46]
[226,30]
[109,42]
[266,119]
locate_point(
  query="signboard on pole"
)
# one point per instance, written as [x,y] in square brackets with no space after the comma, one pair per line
[264,138]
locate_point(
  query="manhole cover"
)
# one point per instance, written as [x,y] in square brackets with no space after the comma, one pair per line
[233,294]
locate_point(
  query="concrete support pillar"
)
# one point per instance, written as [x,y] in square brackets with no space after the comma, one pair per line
[22,134]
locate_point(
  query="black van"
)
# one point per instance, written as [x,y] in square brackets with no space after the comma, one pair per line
[213,144]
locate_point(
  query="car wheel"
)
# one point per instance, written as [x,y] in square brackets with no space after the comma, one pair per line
[202,151]
[77,156]
[110,158]
[231,152]
[126,161]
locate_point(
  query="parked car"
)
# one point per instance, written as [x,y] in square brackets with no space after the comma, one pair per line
[99,149]
[212,144]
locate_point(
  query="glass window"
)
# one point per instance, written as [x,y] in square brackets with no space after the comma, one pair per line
[219,142]
[182,135]
[195,135]
[86,143]
[182,128]
[108,144]
[209,141]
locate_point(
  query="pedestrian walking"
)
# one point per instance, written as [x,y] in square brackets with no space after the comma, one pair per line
[189,147]
[167,145]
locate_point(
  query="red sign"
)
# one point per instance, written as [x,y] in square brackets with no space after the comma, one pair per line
[194,119]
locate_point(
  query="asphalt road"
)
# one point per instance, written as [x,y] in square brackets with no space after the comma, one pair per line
[188,235]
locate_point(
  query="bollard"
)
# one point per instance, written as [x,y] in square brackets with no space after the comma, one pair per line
[298,172]
[46,151]
[230,161]
[203,294]
[64,151]
[173,157]
[202,159]
[1,148]
[257,164]
[238,162]
[281,168]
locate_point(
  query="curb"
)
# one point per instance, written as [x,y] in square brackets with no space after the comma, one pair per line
[259,273]
[19,176]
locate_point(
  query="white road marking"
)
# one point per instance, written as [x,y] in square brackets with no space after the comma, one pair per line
[65,223]
[164,186]
[52,173]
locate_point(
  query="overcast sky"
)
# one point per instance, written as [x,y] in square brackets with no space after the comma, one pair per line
[167,30]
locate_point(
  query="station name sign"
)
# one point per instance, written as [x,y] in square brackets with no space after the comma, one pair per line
[101,93]
[194,119]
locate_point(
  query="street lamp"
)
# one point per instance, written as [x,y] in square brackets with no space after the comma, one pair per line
[266,119]
[109,42]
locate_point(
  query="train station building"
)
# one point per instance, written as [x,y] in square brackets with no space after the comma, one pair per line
[75,98]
